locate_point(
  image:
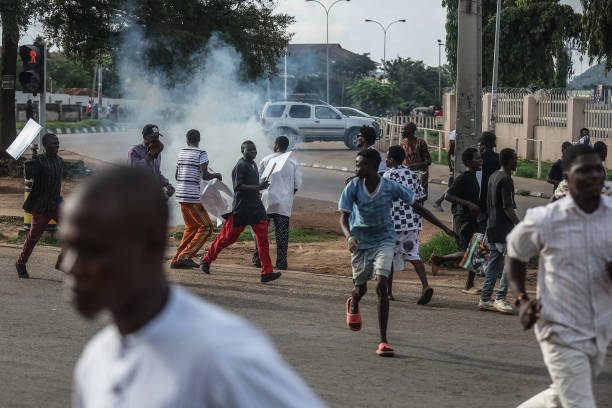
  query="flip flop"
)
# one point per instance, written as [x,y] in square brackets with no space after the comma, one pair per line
[425,297]
[353,321]
[385,350]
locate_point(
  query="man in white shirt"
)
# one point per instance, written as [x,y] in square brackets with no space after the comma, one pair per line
[278,199]
[165,347]
[573,310]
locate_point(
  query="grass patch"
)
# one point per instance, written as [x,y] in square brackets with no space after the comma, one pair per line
[83,123]
[434,157]
[441,244]
[11,220]
[44,240]
[296,235]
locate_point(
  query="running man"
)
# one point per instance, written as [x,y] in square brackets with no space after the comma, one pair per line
[464,193]
[408,224]
[573,309]
[148,155]
[192,167]
[44,200]
[164,346]
[246,210]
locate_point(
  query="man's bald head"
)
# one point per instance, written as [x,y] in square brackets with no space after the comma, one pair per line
[114,234]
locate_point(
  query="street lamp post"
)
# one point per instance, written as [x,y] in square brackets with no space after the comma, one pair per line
[367,20]
[327,9]
[440,44]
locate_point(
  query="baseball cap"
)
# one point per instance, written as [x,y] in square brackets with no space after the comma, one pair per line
[152,130]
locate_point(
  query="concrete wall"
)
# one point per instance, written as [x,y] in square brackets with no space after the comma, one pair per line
[528,133]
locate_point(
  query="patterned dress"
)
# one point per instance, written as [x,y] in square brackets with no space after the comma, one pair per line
[417,151]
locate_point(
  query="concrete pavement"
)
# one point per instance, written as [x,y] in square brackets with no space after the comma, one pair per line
[449,354]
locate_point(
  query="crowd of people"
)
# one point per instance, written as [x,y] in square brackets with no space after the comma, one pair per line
[114,236]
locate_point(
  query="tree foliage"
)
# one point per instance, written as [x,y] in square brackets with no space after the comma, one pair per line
[596,38]
[534,40]
[372,96]
[416,83]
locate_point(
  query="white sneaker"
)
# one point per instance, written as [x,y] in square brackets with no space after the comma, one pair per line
[502,305]
[488,305]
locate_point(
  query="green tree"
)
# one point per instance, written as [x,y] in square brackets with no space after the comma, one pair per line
[534,39]
[416,83]
[596,38]
[372,96]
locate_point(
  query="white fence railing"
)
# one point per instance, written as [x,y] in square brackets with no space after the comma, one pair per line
[598,119]
[510,106]
[392,132]
[552,108]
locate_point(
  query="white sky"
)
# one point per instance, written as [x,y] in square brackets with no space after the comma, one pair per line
[417,38]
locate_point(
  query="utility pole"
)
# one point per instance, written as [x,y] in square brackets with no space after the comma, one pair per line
[99,91]
[42,113]
[493,117]
[469,77]
[440,44]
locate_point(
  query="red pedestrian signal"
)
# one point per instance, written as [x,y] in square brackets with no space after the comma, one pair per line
[33,74]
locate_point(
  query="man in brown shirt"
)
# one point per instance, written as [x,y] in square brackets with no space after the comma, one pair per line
[417,154]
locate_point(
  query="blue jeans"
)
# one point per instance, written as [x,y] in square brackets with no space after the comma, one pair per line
[497,251]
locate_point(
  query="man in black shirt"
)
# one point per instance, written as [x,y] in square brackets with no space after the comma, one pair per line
[246,210]
[464,193]
[555,175]
[44,199]
[490,164]
[501,219]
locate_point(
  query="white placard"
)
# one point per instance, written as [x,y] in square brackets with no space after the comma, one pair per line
[25,138]
[275,165]
[217,199]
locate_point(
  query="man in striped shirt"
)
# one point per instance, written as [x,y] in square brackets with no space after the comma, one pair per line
[192,167]
[44,199]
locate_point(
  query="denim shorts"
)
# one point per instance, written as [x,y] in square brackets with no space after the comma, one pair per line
[367,262]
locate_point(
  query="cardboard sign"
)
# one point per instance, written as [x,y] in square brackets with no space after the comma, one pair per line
[217,198]
[275,165]
[25,138]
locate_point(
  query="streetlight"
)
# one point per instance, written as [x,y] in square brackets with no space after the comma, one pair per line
[367,20]
[440,44]
[327,9]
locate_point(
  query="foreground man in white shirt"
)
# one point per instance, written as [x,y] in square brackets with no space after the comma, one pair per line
[166,347]
[573,310]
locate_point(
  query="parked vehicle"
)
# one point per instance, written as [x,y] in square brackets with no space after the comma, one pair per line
[310,121]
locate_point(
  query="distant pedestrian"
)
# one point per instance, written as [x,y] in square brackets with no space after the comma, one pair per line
[464,193]
[407,223]
[164,346]
[246,210]
[88,110]
[278,199]
[366,204]
[417,154]
[573,309]
[490,164]
[44,200]
[501,211]
[191,168]
[585,137]
[148,155]
[555,175]
[450,159]
[29,110]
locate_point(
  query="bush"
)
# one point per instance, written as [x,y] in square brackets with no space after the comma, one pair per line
[441,244]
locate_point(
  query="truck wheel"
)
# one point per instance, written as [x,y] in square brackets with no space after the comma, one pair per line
[351,139]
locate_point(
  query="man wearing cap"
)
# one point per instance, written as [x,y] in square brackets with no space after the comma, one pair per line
[148,155]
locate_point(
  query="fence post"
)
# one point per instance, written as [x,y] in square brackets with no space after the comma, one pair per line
[440,135]
[540,158]
[425,135]
[516,144]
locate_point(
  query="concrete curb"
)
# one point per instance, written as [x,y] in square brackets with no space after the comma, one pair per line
[536,194]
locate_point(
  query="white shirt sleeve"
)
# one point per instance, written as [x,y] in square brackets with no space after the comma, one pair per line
[525,241]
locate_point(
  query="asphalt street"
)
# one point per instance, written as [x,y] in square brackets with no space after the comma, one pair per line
[449,354]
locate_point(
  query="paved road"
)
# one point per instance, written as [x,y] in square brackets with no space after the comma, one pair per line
[319,184]
[449,354]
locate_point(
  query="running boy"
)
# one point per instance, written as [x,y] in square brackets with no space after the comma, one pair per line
[407,222]
[366,204]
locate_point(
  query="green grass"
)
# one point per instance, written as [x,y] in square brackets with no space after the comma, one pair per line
[11,219]
[296,235]
[83,123]
[441,244]
[47,241]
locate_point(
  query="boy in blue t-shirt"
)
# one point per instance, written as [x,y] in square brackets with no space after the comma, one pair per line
[366,204]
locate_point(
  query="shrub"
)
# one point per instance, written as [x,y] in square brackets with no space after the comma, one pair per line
[441,244]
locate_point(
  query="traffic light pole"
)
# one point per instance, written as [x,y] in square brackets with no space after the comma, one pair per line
[42,114]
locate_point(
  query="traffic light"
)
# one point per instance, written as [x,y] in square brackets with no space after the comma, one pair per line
[33,74]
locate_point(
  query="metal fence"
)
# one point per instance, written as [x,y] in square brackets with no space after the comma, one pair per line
[552,107]
[598,119]
[510,105]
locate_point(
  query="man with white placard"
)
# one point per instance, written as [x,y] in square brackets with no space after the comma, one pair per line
[285,180]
